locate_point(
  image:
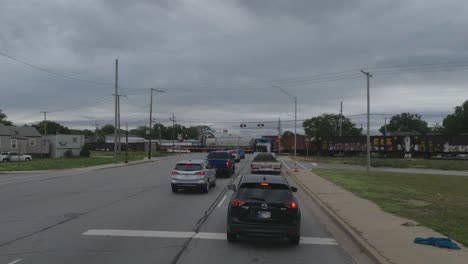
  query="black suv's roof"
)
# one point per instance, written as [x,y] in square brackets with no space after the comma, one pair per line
[263,178]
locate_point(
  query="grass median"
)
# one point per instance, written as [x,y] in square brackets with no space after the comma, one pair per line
[393,163]
[439,202]
[96,159]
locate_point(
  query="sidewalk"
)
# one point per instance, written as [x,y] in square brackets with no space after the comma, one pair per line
[381,234]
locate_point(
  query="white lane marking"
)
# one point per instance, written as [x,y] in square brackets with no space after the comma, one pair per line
[138,233]
[222,201]
[301,165]
[314,164]
[286,165]
[201,235]
[318,241]
[214,236]
[15,261]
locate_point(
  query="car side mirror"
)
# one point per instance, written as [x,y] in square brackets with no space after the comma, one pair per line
[293,189]
[232,187]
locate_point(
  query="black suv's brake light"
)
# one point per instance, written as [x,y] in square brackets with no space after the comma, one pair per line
[237,203]
[291,205]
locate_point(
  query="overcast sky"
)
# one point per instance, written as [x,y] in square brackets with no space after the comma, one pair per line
[217,60]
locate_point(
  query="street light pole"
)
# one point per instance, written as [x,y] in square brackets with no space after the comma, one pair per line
[294,98]
[368,75]
[151,118]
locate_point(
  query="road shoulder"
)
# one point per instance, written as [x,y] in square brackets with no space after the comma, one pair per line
[380,234]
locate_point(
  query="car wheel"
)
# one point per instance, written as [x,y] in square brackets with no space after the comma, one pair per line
[174,189]
[213,183]
[228,174]
[295,240]
[231,237]
[5,160]
[28,159]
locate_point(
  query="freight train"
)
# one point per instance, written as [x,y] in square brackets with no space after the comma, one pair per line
[386,146]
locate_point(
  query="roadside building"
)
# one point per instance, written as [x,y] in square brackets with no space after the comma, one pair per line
[65,145]
[25,140]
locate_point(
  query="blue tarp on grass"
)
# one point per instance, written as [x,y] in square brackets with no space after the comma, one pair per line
[437,242]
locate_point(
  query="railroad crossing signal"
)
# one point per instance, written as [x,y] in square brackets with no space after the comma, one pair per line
[243,125]
[260,125]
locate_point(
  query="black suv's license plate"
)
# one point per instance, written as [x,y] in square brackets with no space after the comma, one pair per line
[264,214]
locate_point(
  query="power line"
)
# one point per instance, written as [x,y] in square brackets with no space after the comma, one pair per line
[52,72]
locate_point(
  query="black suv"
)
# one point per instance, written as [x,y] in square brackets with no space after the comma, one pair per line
[263,205]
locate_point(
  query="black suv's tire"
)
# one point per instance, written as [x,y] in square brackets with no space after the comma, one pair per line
[231,237]
[174,189]
[228,174]
[294,240]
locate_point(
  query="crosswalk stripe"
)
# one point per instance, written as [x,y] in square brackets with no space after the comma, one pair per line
[200,235]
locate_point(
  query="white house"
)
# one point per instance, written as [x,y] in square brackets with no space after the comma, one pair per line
[60,144]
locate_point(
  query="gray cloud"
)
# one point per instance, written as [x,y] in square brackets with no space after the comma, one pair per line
[218,59]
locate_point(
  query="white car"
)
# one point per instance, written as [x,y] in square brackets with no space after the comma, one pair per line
[193,174]
[265,163]
[14,156]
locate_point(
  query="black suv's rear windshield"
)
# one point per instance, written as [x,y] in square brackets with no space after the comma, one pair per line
[270,193]
[264,158]
[188,167]
[218,155]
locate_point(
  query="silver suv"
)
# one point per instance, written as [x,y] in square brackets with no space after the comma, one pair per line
[193,174]
[14,156]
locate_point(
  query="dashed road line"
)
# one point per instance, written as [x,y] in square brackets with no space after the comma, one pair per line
[222,201]
[15,261]
[194,235]
[314,164]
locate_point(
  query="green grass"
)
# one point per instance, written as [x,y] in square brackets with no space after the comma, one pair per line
[97,158]
[446,210]
[394,163]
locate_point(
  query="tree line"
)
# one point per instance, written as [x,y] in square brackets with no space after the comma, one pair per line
[328,124]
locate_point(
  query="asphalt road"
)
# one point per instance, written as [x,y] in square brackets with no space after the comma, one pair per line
[130,215]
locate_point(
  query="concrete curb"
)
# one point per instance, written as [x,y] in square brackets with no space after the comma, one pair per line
[365,246]
[92,168]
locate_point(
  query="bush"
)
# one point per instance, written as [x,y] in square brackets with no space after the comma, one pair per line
[85,151]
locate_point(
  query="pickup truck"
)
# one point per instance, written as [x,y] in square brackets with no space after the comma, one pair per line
[223,162]
[265,163]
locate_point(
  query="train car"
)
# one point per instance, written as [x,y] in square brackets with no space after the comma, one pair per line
[394,146]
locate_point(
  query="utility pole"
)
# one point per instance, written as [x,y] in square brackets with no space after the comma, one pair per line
[116,115]
[96,128]
[295,126]
[385,127]
[294,98]
[126,142]
[45,122]
[279,135]
[173,119]
[341,116]
[368,75]
[151,118]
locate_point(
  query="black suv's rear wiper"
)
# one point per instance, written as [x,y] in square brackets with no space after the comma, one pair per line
[255,198]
